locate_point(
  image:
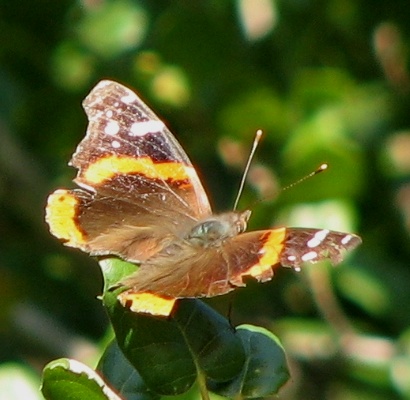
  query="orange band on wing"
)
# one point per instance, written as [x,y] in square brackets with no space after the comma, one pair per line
[61,217]
[270,254]
[109,166]
[147,303]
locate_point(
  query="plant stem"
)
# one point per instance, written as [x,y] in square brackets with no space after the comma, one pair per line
[202,386]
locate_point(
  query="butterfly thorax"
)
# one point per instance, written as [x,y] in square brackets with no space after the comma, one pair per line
[217,228]
[207,235]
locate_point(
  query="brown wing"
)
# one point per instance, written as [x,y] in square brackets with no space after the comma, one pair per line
[213,271]
[210,271]
[140,190]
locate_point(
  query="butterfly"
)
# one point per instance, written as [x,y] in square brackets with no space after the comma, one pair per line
[140,198]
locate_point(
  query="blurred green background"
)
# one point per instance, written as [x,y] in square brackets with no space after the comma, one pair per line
[327,81]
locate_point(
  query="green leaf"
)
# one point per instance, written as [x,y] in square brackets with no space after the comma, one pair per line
[72,380]
[118,371]
[114,270]
[194,344]
[170,354]
[265,370]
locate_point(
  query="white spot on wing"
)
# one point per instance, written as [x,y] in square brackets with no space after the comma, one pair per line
[346,239]
[262,251]
[291,258]
[109,114]
[116,144]
[112,128]
[318,238]
[129,98]
[104,83]
[311,255]
[143,128]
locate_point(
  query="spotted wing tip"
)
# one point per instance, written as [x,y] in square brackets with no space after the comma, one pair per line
[312,246]
[103,83]
[101,86]
[353,241]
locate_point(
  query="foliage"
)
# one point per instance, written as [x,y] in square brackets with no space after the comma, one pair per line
[326,81]
[166,356]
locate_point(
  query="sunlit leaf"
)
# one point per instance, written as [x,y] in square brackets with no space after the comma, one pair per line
[66,379]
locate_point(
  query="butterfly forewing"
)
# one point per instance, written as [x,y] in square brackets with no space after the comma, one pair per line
[127,141]
[140,191]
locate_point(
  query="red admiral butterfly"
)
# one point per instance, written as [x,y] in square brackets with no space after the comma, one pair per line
[141,200]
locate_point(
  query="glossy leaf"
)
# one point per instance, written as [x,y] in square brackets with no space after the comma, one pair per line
[170,353]
[118,371]
[265,370]
[72,380]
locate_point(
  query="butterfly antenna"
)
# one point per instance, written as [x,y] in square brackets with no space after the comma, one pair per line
[256,141]
[318,170]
